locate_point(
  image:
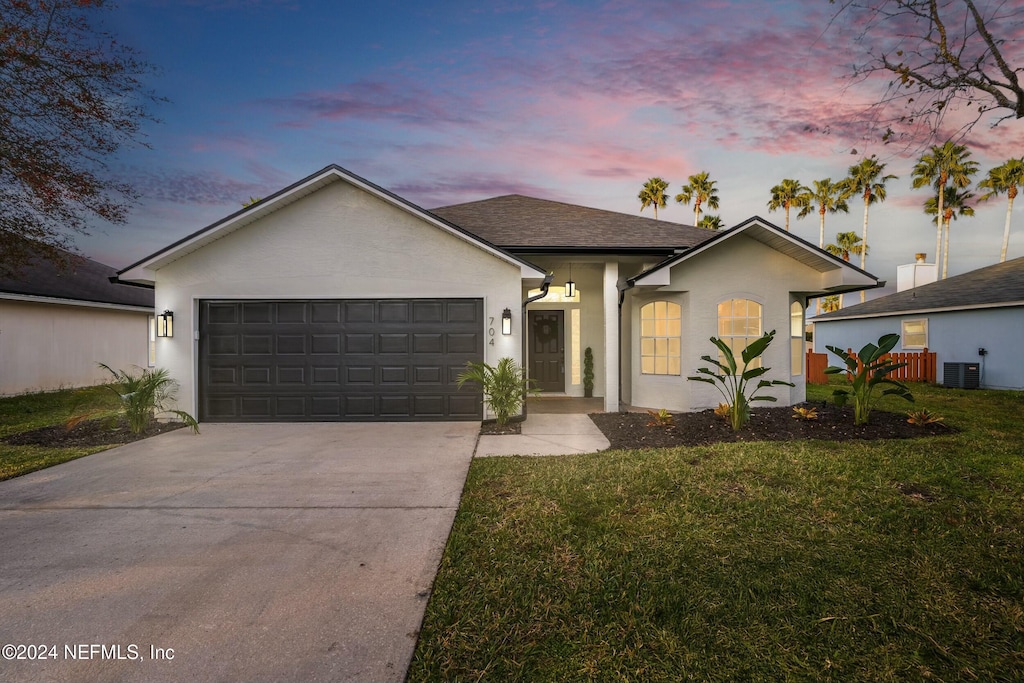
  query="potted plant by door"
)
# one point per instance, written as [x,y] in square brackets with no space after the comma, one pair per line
[588,373]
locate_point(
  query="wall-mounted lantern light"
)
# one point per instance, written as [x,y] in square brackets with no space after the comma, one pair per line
[165,324]
[570,286]
[506,321]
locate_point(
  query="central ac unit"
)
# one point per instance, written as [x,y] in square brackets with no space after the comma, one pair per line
[961,375]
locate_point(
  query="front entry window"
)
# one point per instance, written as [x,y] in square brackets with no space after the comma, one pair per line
[660,330]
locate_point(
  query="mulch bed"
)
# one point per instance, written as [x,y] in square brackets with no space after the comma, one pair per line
[491,428]
[98,432]
[630,430]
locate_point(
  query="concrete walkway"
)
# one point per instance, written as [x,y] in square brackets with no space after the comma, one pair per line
[547,434]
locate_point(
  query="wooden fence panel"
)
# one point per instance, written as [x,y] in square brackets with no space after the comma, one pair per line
[816,364]
[920,366]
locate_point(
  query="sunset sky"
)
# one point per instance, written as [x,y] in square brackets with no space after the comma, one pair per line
[445,102]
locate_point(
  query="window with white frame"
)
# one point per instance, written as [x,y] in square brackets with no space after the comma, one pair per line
[152,341]
[660,330]
[739,323]
[796,338]
[915,333]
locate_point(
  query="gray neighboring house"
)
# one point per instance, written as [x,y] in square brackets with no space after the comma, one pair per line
[955,318]
[57,323]
[335,299]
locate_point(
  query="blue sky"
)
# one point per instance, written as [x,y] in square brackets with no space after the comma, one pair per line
[445,102]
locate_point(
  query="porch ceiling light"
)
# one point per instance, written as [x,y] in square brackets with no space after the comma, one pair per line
[165,324]
[570,286]
[506,321]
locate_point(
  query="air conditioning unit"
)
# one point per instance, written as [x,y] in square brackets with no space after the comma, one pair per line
[961,375]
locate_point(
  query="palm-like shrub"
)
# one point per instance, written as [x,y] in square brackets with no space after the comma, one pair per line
[733,382]
[144,395]
[504,386]
[867,375]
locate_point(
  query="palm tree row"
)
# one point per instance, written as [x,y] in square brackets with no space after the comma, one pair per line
[700,190]
[947,169]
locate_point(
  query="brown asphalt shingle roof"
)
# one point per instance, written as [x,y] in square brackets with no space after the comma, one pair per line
[80,279]
[1002,283]
[517,222]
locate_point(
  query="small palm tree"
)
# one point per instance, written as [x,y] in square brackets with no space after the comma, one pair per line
[504,386]
[1004,179]
[786,195]
[700,190]
[653,194]
[937,167]
[144,395]
[711,222]
[954,205]
[846,243]
[867,179]
[832,302]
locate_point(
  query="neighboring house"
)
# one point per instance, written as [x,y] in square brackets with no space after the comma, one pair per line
[58,322]
[335,299]
[955,318]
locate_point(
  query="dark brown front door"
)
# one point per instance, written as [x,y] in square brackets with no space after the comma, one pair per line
[547,350]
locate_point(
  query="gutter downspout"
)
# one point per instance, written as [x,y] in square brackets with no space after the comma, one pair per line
[543,293]
[622,297]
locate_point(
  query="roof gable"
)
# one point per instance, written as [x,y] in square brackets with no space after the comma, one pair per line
[775,238]
[529,224]
[143,270]
[998,285]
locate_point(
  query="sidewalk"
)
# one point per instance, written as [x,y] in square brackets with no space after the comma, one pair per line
[547,434]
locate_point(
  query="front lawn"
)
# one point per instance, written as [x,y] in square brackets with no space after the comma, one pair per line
[19,414]
[806,561]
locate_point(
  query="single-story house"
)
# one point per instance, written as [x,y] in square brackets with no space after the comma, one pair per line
[976,318]
[57,321]
[335,299]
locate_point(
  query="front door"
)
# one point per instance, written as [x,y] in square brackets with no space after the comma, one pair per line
[547,350]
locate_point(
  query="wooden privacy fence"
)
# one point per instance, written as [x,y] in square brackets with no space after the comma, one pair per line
[920,366]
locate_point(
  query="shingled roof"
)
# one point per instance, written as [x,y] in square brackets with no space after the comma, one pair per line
[989,287]
[523,223]
[80,279]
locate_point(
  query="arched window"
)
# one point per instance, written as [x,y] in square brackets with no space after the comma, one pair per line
[796,338]
[660,330]
[739,323]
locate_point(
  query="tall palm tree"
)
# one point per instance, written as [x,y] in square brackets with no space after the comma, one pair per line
[653,194]
[832,302]
[711,222]
[699,189]
[826,197]
[786,195]
[846,243]
[867,179]
[938,166]
[1006,178]
[954,204]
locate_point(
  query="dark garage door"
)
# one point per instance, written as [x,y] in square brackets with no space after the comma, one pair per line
[331,360]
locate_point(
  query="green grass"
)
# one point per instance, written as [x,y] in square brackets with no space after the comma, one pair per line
[32,411]
[810,561]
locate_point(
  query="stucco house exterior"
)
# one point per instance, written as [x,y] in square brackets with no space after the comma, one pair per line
[335,299]
[58,322]
[956,318]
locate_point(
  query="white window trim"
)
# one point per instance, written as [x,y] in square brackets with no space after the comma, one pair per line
[151,342]
[678,357]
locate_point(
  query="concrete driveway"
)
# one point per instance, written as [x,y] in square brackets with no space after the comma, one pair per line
[247,553]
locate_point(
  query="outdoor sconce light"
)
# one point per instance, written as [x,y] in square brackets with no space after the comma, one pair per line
[506,321]
[570,286]
[165,324]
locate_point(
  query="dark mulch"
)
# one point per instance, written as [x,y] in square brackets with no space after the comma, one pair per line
[491,428]
[98,432]
[630,430]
